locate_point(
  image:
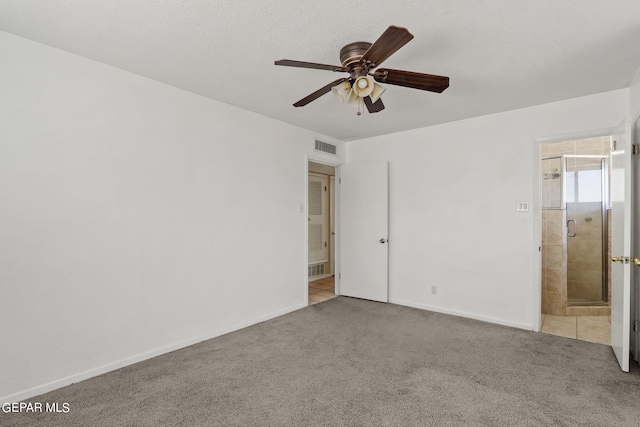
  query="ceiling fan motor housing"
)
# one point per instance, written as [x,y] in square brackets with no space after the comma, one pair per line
[350,56]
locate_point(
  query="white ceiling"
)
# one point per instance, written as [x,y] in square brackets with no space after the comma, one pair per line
[499,54]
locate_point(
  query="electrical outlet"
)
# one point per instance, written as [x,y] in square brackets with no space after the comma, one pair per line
[434,289]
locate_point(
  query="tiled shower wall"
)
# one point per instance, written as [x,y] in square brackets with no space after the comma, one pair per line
[554,262]
[591,146]
[551,187]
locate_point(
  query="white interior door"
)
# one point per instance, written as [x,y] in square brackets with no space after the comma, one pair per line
[332,223]
[318,219]
[364,224]
[621,215]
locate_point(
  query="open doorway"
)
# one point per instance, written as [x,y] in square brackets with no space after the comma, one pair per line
[576,238]
[321,208]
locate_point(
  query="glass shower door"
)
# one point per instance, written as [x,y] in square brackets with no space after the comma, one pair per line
[586,232]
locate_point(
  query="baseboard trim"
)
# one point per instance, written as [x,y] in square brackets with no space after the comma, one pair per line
[81,376]
[458,313]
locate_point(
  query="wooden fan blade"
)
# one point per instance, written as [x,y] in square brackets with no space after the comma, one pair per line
[413,80]
[302,64]
[317,94]
[387,44]
[373,107]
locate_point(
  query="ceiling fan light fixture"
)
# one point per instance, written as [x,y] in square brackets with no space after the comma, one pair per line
[377,92]
[363,86]
[342,91]
[353,98]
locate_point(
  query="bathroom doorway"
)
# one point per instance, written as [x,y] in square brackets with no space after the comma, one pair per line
[575,239]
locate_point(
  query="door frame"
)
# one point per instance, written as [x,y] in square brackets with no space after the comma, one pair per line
[335,199]
[537,210]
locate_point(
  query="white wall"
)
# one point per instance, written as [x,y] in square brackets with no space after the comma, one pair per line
[135,217]
[452,216]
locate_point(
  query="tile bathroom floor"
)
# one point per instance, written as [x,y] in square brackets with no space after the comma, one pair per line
[586,328]
[321,290]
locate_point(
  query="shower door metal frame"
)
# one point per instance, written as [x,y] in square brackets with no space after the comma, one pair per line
[604,205]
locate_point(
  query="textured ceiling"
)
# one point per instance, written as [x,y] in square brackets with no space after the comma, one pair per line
[499,54]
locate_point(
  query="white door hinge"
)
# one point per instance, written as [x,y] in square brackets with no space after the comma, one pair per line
[636,326]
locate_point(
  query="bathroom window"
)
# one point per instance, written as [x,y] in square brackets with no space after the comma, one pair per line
[586,185]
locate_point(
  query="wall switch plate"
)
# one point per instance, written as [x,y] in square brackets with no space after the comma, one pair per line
[522,206]
[434,290]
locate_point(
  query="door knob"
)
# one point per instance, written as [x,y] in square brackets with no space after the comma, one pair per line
[383,240]
[636,261]
[617,259]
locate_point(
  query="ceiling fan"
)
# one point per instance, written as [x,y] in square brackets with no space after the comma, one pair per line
[359,59]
